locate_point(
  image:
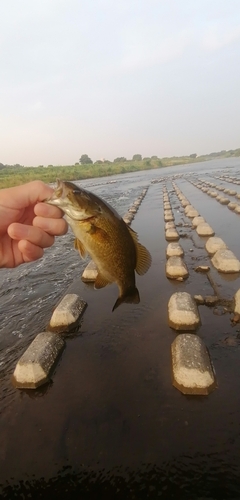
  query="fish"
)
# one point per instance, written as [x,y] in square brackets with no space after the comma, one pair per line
[102,233]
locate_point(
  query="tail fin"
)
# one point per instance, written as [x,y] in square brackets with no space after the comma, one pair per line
[131,296]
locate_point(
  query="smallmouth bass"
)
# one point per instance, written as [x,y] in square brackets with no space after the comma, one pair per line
[103,234]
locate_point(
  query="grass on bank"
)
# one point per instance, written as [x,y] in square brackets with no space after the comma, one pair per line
[19,175]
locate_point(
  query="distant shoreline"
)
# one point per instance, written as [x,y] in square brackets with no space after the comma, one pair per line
[16,175]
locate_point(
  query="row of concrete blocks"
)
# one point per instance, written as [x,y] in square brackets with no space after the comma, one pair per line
[192,369]
[223,259]
[234,206]
[232,180]
[36,364]
[171,233]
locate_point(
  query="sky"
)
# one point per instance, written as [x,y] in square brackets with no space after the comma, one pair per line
[117,78]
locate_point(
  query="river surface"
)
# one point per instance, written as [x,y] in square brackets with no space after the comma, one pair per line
[110,424]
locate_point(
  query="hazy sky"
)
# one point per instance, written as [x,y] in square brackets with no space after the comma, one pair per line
[113,78]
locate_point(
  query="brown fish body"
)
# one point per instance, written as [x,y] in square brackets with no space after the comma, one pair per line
[104,235]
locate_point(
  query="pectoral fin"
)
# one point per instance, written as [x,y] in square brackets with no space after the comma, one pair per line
[100,282]
[144,258]
[78,245]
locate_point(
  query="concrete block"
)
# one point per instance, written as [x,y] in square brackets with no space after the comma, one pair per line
[174,249]
[67,314]
[182,312]
[191,365]
[237,302]
[224,201]
[171,235]
[169,225]
[176,268]
[237,209]
[214,244]
[197,220]
[168,217]
[204,229]
[35,365]
[225,261]
[90,272]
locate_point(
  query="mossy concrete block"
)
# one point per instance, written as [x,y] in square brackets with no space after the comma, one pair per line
[226,262]
[176,268]
[35,365]
[191,366]
[67,314]
[214,244]
[174,249]
[90,272]
[183,312]
[204,229]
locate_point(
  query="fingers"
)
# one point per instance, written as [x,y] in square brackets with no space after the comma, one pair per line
[29,251]
[25,195]
[55,227]
[44,210]
[34,235]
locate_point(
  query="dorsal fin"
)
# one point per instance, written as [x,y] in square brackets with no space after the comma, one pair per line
[144,258]
[78,245]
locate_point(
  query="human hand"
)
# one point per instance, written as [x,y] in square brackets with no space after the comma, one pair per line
[27,226]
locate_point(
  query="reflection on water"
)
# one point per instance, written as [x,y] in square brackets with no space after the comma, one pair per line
[110,424]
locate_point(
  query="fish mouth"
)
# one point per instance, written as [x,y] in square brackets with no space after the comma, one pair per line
[60,198]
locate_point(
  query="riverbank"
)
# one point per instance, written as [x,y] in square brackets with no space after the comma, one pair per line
[15,175]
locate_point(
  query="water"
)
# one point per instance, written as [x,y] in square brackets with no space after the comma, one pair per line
[110,423]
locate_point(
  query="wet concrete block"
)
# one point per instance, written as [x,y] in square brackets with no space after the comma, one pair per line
[204,229]
[166,206]
[171,234]
[187,208]
[224,201]
[237,302]
[192,213]
[232,205]
[225,261]
[191,365]
[214,244]
[168,217]
[183,312]
[169,225]
[174,249]
[197,220]
[35,365]
[67,314]
[90,272]
[176,268]
[237,209]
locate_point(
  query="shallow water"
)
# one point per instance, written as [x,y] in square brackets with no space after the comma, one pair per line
[111,423]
